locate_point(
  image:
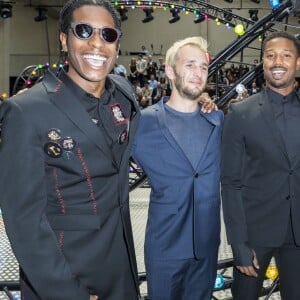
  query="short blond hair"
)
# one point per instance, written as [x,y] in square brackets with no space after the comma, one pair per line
[197,41]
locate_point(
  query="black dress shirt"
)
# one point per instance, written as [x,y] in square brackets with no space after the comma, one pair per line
[111,113]
[287,111]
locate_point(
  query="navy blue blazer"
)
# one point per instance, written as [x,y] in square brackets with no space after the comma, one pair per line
[184,209]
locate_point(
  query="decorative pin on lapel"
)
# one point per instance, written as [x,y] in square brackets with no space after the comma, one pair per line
[54,134]
[67,155]
[68,143]
[53,149]
[123,137]
[117,113]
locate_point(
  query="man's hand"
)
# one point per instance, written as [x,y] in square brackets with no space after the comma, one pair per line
[93,297]
[207,104]
[250,270]
[245,259]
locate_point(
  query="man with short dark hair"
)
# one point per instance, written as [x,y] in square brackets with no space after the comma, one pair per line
[261,175]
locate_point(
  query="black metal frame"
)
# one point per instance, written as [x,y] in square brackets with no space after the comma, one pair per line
[9,286]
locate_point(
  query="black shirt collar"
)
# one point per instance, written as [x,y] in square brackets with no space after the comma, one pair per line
[85,96]
[278,99]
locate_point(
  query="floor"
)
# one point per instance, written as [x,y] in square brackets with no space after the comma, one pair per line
[139,203]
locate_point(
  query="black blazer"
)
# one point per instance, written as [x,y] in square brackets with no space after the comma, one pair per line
[260,185]
[66,210]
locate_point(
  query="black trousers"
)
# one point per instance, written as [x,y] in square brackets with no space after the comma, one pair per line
[287,259]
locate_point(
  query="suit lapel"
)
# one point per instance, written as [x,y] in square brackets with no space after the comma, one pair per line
[160,113]
[207,132]
[67,103]
[268,115]
[161,118]
[296,161]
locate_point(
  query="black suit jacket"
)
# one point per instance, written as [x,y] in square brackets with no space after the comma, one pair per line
[260,185]
[66,210]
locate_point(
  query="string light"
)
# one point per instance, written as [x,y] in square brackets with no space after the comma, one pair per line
[4,95]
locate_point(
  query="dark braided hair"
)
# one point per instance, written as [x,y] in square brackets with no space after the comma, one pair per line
[66,13]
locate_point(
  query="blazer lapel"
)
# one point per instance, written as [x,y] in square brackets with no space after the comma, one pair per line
[161,117]
[204,136]
[296,161]
[66,102]
[207,132]
[268,115]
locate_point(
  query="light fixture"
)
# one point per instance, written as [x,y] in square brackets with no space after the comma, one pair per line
[253,14]
[5,10]
[275,3]
[175,17]
[149,17]
[122,12]
[228,15]
[42,14]
[239,29]
[199,18]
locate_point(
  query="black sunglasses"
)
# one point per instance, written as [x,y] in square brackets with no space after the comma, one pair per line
[84,31]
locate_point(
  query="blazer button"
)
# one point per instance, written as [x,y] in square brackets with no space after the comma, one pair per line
[196,175]
[288,197]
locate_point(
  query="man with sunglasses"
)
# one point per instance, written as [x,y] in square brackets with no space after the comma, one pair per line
[64,152]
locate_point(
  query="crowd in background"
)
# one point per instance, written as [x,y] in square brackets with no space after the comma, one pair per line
[150,82]
[148,78]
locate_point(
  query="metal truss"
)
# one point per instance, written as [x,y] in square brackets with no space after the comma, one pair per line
[258,28]
[253,30]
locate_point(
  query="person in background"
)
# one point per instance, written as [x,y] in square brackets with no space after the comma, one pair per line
[157,93]
[254,88]
[120,70]
[64,152]
[141,67]
[138,90]
[152,68]
[132,77]
[146,98]
[261,175]
[161,69]
[178,146]
[152,82]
